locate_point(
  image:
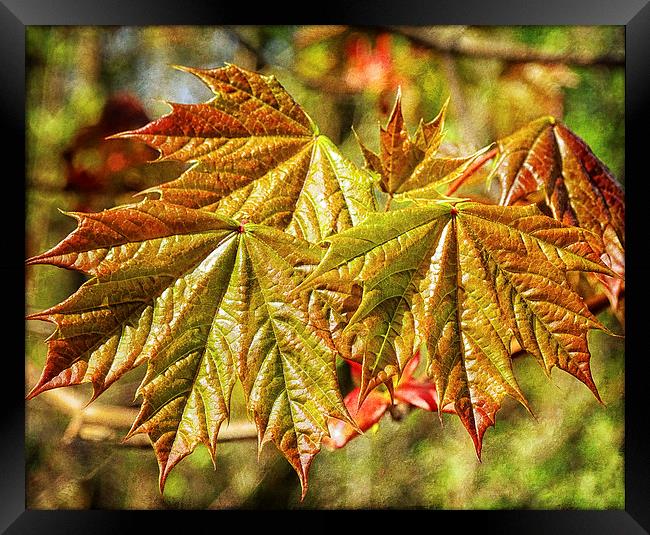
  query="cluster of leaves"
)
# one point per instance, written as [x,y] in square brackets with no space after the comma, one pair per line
[273,255]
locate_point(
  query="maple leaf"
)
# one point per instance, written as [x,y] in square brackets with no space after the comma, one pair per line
[365,415]
[418,392]
[469,278]
[203,300]
[578,187]
[257,156]
[407,163]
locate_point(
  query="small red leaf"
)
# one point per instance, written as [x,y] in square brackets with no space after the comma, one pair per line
[419,394]
[410,368]
[370,412]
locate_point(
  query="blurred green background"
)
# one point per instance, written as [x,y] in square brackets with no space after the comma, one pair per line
[85,83]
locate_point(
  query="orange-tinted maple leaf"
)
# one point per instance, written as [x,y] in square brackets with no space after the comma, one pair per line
[578,188]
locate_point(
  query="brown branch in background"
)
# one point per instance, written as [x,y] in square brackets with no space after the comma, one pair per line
[333,85]
[512,52]
[256,58]
[458,99]
[99,422]
[329,84]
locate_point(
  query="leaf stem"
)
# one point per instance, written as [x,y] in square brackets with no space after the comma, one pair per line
[471,170]
[388,202]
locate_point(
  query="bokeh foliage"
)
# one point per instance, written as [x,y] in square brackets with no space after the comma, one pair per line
[570,457]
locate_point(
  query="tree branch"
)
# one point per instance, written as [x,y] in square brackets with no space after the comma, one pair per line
[109,423]
[467,45]
[458,100]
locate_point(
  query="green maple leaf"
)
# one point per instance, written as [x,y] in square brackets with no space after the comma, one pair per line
[164,272]
[203,300]
[257,156]
[466,280]
[578,188]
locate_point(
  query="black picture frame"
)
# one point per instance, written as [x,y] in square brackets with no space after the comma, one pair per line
[16,15]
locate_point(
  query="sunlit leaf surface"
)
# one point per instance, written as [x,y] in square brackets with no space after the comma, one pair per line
[466,280]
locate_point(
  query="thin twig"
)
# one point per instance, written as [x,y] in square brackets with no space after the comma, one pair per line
[469,46]
[103,422]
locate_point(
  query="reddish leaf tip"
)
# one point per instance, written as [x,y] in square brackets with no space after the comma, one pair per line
[588,380]
[43,385]
[42,316]
[598,398]
[119,135]
[162,479]
[35,391]
[98,390]
[396,114]
[477,439]
[302,469]
[41,259]
[135,430]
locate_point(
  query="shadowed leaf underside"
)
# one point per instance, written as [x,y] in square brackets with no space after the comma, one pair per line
[579,189]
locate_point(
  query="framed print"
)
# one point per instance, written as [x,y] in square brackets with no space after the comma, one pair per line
[324,264]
